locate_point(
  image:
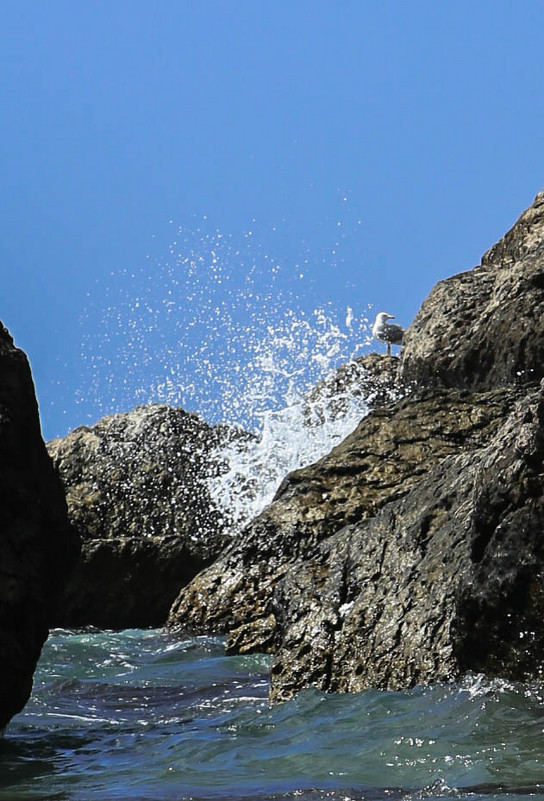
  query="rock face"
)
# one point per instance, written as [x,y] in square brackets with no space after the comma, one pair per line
[137,496]
[37,546]
[414,550]
[388,454]
[447,579]
[485,328]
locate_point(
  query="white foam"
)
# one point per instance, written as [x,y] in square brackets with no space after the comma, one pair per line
[289,439]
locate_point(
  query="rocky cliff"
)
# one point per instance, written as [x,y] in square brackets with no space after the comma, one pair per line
[413,551]
[137,495]
[37,546]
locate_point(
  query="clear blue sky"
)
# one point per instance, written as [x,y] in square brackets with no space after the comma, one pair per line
[372,148]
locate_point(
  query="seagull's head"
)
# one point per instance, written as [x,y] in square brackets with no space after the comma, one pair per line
[383,317]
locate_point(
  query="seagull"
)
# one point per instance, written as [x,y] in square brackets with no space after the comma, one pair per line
[386,332]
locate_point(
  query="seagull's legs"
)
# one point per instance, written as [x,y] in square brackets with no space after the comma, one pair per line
[389,349]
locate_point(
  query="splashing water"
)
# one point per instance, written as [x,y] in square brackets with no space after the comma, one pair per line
[222,328]
[291,430]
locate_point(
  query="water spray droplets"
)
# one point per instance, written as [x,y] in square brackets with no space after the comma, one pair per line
[222,327]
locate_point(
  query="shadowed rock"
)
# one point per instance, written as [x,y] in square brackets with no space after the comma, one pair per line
[37,546]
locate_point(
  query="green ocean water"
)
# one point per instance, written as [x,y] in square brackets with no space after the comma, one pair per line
[141,715]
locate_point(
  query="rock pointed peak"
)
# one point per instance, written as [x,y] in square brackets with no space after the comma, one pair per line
[484,328]
[526,235]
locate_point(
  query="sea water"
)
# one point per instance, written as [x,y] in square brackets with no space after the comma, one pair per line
[141,715]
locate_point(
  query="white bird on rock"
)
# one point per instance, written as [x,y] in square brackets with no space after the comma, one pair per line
[387,332]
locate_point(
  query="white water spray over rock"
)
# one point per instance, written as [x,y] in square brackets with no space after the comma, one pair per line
[222,328]
[286,442]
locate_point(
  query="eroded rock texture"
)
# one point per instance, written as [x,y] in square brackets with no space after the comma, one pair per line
[446,579]
[137,495]
[485,327]
[37,546]
[389,453]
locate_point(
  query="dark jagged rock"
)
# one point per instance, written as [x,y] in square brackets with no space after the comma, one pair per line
[499,628]
[485,328]
[37,546]
[137,495]
[389,452]
[445,580]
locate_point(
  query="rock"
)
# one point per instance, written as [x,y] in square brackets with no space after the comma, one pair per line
[413,552]
[37,546]
[500,600]
[373,375]
[257,637]
[137,495]
[485,328]
[390,452]
[373,378]
[447,579]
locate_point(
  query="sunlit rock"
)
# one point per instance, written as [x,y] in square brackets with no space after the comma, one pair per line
[383,459]
[371,380]
[485,328]
[137,493]
[413,551]
[444,580]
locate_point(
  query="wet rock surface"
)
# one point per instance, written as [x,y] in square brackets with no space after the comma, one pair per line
[445,580]
[372,377]
[37,546]
[137,495]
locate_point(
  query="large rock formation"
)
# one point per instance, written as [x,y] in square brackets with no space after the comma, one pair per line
[214,604]
[137,495]
[414,550]
[381,461]
[37,546]
[447,579]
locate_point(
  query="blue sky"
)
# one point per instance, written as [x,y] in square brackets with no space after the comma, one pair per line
[320,153]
